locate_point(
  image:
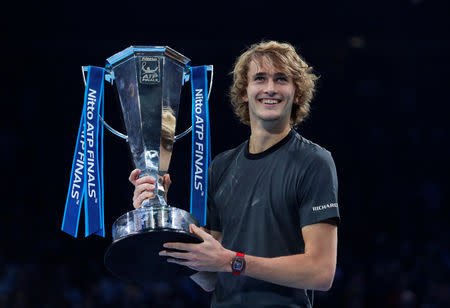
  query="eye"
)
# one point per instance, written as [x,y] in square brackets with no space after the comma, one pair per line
[282,79]
[259,78]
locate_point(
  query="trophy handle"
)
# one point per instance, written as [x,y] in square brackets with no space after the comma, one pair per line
[112,130]
[179,136]
[123,136]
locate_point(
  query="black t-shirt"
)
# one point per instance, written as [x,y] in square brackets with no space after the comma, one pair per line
[260,202]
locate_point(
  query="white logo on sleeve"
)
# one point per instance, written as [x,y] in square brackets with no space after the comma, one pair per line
[324,207]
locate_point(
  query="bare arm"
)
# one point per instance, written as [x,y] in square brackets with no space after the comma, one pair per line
[313,269]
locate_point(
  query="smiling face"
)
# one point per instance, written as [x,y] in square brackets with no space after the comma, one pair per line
[270,95]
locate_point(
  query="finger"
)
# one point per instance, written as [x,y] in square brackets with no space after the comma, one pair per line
[144,187]
[177,255]
[180,246]
[137,202]
[167,181]
[178,261]
[199,231]
[146,195]
[134,175]
[181,262]
[138,190]
[145,179]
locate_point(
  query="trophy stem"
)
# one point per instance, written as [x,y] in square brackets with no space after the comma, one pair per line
[154,202]
[159,192]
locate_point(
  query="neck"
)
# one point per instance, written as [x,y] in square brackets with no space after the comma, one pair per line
[261,139]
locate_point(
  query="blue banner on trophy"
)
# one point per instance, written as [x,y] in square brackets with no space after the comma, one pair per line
[149,80]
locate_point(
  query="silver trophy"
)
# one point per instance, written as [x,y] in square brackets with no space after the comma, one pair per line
[149,81]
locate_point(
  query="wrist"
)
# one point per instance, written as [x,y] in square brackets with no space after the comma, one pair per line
[228,258]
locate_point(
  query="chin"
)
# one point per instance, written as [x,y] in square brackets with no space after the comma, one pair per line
[271,117]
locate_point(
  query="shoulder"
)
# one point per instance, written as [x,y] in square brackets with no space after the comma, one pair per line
[226,157]
[310,152]
[222,163]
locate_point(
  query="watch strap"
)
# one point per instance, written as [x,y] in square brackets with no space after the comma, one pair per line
[238,263]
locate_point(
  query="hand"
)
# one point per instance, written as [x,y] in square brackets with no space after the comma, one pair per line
[144,187]
[209,256]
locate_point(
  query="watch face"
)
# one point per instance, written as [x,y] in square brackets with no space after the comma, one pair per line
[238,264]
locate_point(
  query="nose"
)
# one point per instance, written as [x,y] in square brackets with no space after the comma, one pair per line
[270,88]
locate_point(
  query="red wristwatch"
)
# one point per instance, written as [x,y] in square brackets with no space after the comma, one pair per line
[238,263]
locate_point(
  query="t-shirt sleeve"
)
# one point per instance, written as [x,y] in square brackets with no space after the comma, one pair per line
[317,191]
[212,215]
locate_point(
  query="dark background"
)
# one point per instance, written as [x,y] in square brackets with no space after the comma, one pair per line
[381,108]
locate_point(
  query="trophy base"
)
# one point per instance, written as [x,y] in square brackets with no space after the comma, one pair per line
[138,237]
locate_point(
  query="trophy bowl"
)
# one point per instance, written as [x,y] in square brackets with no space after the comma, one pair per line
[139,236]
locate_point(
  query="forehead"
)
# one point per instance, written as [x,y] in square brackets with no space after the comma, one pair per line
[264,65]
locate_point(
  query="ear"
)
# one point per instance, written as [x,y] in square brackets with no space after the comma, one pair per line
[245,97]
[296,98]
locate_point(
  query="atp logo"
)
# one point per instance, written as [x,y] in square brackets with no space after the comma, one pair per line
[150,70]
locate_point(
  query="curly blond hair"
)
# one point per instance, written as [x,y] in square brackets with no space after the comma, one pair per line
[284,57]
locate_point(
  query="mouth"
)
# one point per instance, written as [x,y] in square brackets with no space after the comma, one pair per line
[269,101]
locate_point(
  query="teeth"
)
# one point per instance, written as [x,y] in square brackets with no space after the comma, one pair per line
[270,101]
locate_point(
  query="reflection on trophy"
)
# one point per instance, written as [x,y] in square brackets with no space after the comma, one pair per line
[149,81]
[167,138]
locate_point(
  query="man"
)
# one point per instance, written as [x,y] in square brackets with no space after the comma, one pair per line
[272,201]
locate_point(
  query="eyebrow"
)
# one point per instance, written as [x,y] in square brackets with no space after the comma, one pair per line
[279,74]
